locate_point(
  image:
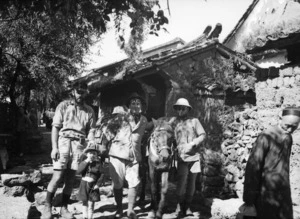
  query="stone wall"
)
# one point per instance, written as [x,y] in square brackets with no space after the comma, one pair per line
[193,78]
[238,139]
[232,130]
[273,93]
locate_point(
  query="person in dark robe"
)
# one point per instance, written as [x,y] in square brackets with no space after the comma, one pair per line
[267,180]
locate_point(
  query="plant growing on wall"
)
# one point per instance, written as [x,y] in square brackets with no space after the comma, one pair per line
[228,74]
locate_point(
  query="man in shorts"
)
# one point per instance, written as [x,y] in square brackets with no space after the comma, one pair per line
[73,122]
[125,166]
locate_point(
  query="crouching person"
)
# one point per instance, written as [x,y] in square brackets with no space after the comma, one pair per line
[92,177]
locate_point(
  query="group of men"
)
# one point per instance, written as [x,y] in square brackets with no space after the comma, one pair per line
[74,121]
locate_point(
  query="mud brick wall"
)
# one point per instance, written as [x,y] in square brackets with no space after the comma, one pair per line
[231,130]
[281,88]
[239,137]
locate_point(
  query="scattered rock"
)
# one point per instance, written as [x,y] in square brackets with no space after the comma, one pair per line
[222,209]
[14,191]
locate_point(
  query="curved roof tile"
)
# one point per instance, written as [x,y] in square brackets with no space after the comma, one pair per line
[279,23]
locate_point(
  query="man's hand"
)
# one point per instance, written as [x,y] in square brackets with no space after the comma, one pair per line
[248,210]
[90,158]
[90,143]
[191,148]
[55,154]
[187,148]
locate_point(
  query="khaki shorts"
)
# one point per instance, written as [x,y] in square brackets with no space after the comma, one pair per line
[121,170]
[70,151]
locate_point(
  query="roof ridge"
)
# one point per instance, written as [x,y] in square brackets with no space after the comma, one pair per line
[241,21]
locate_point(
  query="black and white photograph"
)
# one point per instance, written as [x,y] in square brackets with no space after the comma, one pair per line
[149,109]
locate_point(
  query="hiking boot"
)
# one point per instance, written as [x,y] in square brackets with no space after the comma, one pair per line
[119,214]
[47,213]
[64,212]
[181,215]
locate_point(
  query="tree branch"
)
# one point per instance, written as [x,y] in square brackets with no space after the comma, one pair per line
[15,58]
[169,7]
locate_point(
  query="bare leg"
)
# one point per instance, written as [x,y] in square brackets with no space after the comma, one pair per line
[51,189]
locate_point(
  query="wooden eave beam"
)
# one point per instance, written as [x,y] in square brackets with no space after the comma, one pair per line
[228,54]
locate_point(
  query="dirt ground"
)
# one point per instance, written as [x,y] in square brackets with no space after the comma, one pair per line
[21,208]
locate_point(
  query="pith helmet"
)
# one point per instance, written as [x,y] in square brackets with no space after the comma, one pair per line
[182,102]
[134,96]
[91,148]
[119,110]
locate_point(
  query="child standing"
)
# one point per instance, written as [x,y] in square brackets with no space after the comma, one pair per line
[92,178]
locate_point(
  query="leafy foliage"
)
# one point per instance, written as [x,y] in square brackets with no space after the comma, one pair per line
[42,42]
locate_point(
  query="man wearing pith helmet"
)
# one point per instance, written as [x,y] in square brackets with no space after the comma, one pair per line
[267,184]
[189,134]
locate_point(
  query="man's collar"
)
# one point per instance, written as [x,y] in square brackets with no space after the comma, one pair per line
[73,102]
[182,118]
[282,130]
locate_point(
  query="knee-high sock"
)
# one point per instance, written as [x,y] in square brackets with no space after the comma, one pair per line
[188,201]
[118,198]
[84,210]
[49,197]
[65,200]
[182,203]
[131,198]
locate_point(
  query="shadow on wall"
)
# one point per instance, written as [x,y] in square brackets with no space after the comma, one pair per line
[216,115]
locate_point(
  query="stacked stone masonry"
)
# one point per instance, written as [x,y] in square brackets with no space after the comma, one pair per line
[238,137]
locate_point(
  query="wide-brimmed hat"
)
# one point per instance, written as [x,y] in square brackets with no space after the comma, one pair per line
[134,96]
[81,85]
[91,148]
[119,110]
[182,102]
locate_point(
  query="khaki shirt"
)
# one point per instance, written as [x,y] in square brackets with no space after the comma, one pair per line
[138,130]
[121,145]
[187,131]
[74,120]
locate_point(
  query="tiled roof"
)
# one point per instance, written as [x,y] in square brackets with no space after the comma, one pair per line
[280,23]
[102,77]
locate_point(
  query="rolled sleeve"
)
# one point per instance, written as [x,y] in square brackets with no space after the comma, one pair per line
[58,116]
[200,132]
